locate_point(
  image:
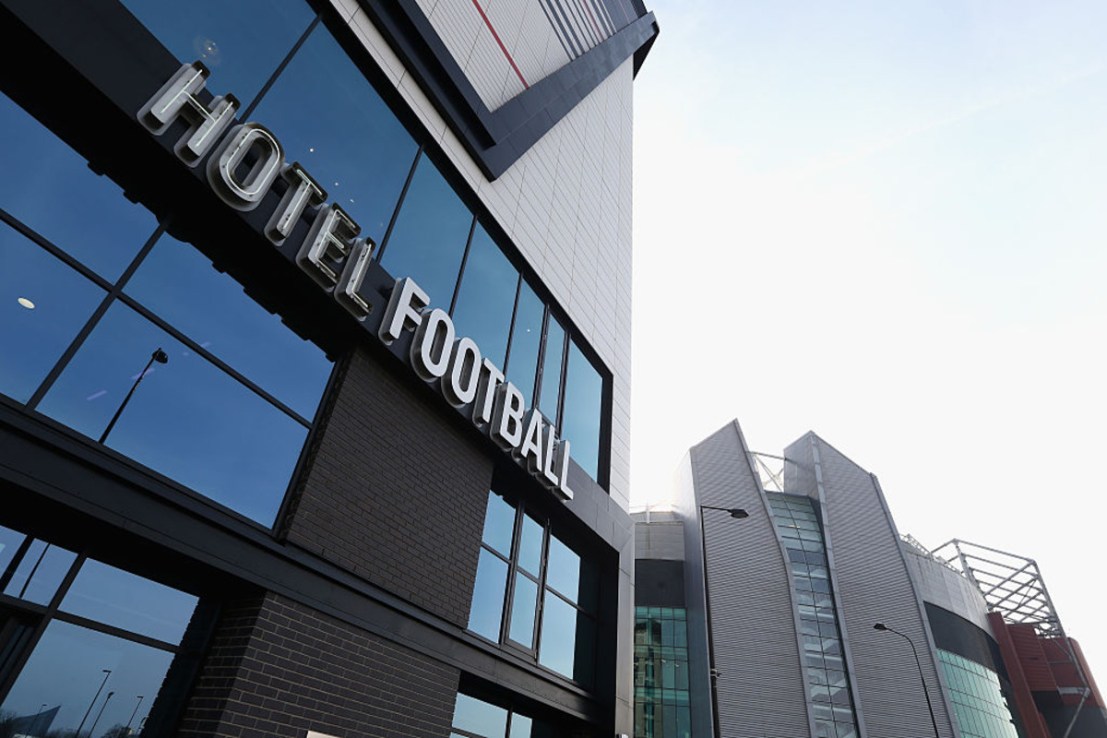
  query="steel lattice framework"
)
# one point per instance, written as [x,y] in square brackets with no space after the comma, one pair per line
[1012,585]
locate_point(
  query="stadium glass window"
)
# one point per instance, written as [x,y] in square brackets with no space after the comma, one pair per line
[87,646]
[533,593]
[486,297]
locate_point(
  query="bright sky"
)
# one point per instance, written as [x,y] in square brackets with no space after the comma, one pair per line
[887,222]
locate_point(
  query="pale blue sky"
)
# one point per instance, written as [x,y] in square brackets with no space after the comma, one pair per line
[886,222]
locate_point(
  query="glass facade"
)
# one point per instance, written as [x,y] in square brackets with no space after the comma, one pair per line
[93,644]
[661,704]
[474,718]
[797,521]
[92,286]
[978,699]
[535,594]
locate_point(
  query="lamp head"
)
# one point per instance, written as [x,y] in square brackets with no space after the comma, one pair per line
[161,357]
[738,513]
[880,626]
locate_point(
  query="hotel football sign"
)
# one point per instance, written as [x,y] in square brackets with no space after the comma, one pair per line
[244,162]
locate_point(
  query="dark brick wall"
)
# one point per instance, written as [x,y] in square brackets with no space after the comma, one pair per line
[394,493]
[278,668]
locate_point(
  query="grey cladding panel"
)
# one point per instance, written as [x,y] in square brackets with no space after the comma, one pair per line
[873,585]
[760,687]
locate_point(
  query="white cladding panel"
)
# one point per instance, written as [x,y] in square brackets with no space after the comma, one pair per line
[566,204]
[950,590]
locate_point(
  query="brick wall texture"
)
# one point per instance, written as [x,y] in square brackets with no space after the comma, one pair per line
[394,494]
[277,668]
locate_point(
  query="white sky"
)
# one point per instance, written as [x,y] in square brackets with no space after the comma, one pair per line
[886,222]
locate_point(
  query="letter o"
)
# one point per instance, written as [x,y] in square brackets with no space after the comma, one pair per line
[430,349]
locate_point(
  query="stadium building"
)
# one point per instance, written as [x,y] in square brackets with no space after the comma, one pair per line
[778,599]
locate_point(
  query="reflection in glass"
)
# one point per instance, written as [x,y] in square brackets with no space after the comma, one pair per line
[179,283]
[429,238]
[526,337]
[530,545]
[10,542]
[331,120]
[241,42]
[563,570]
[109,595]
[189,420]
[479,717]
[43,304]
[66,672]
[520,726]
[499,521]
[486,296]
[550,392]
[523,606]
[486,612]
[51,189]
[583,410]
[559,635]
[40,573]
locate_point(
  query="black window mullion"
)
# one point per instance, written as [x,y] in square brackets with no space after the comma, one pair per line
[464,261]
[399,204]
[563,381]
[541,368]
[94,319]
[17,559]
[280,68]
[40,628]
[511,327]
[32,235]
[203,352]
[114,631]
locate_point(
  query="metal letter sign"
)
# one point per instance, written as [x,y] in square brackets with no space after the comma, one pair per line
[338,261]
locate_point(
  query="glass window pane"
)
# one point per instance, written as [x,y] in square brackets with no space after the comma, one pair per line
[550,392]
[115,597]
[526,337]
[65,678]
[43,304]
[563,569]
[10,541]
[530,545]
[499,521]
[187,420]
[241,42]
[524,603]
[40,573]
[486,612]
[60,197]
[429,238]
[479,717]
[520,726]
[559,635]
[179,283]
[331,120]
[583,410]
[486,297]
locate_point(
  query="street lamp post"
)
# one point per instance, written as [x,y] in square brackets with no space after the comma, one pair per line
[99,715]
[159,356]
[737,513]
[107,673]
[926,692]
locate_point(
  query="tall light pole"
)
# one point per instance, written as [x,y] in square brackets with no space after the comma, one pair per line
[159,356]
[926,692]
[107,673]
[127,730]
[737,513]
[99,715]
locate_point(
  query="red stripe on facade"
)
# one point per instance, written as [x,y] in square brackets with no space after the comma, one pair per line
[507,54]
